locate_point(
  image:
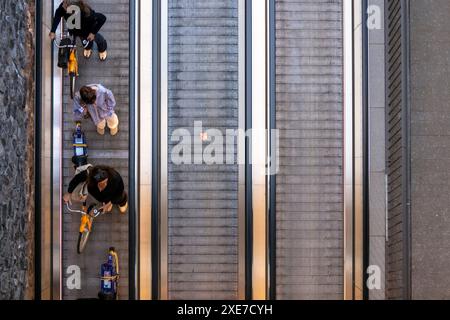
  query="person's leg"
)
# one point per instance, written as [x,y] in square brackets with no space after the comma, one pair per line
[101,127]
[122,203]
[113,124]
[102,45]
[101,42]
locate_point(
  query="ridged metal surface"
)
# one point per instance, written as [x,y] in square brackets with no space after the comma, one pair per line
[395,139]
[112,229]
[309,115]
[203,199]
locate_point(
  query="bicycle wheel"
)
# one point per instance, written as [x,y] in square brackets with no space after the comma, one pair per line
[82,241]
[72,85]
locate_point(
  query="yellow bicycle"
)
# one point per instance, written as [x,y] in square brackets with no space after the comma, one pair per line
[88,215]
[70,43]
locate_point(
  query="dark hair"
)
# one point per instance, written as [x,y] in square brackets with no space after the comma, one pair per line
[84,7]
[88,95]
[97,175]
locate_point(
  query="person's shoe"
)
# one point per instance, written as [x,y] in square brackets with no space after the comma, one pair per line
[114,131]
[103,55]
[87,53]
[101,131]
[123,209]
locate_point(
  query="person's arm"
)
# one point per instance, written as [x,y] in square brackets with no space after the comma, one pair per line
[59,14]
[77,106]
[119,186]
[110,100]
[79,178]
[99,21]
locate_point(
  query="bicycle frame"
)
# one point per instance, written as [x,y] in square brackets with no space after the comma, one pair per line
[87,216]
[73,62]
[86,222]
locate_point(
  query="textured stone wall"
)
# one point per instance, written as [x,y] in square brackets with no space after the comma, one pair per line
[16,149]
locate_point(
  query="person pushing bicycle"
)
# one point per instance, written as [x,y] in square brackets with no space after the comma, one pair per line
[91,23]
[104,184]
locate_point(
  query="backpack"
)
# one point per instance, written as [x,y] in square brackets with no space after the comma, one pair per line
[64,53]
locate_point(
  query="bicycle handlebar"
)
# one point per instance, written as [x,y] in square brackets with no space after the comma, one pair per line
[74,211]
[71,46]
[96,211]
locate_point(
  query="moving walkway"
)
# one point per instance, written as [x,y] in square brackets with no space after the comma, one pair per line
[221,231]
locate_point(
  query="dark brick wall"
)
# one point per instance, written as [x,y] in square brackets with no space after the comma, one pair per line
[16,149]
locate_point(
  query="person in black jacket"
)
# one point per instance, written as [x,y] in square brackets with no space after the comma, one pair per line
[91,23]
[104,184]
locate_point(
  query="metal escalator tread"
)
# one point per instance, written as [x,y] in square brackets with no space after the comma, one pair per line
[203,86]
[109,230]
[309,189]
